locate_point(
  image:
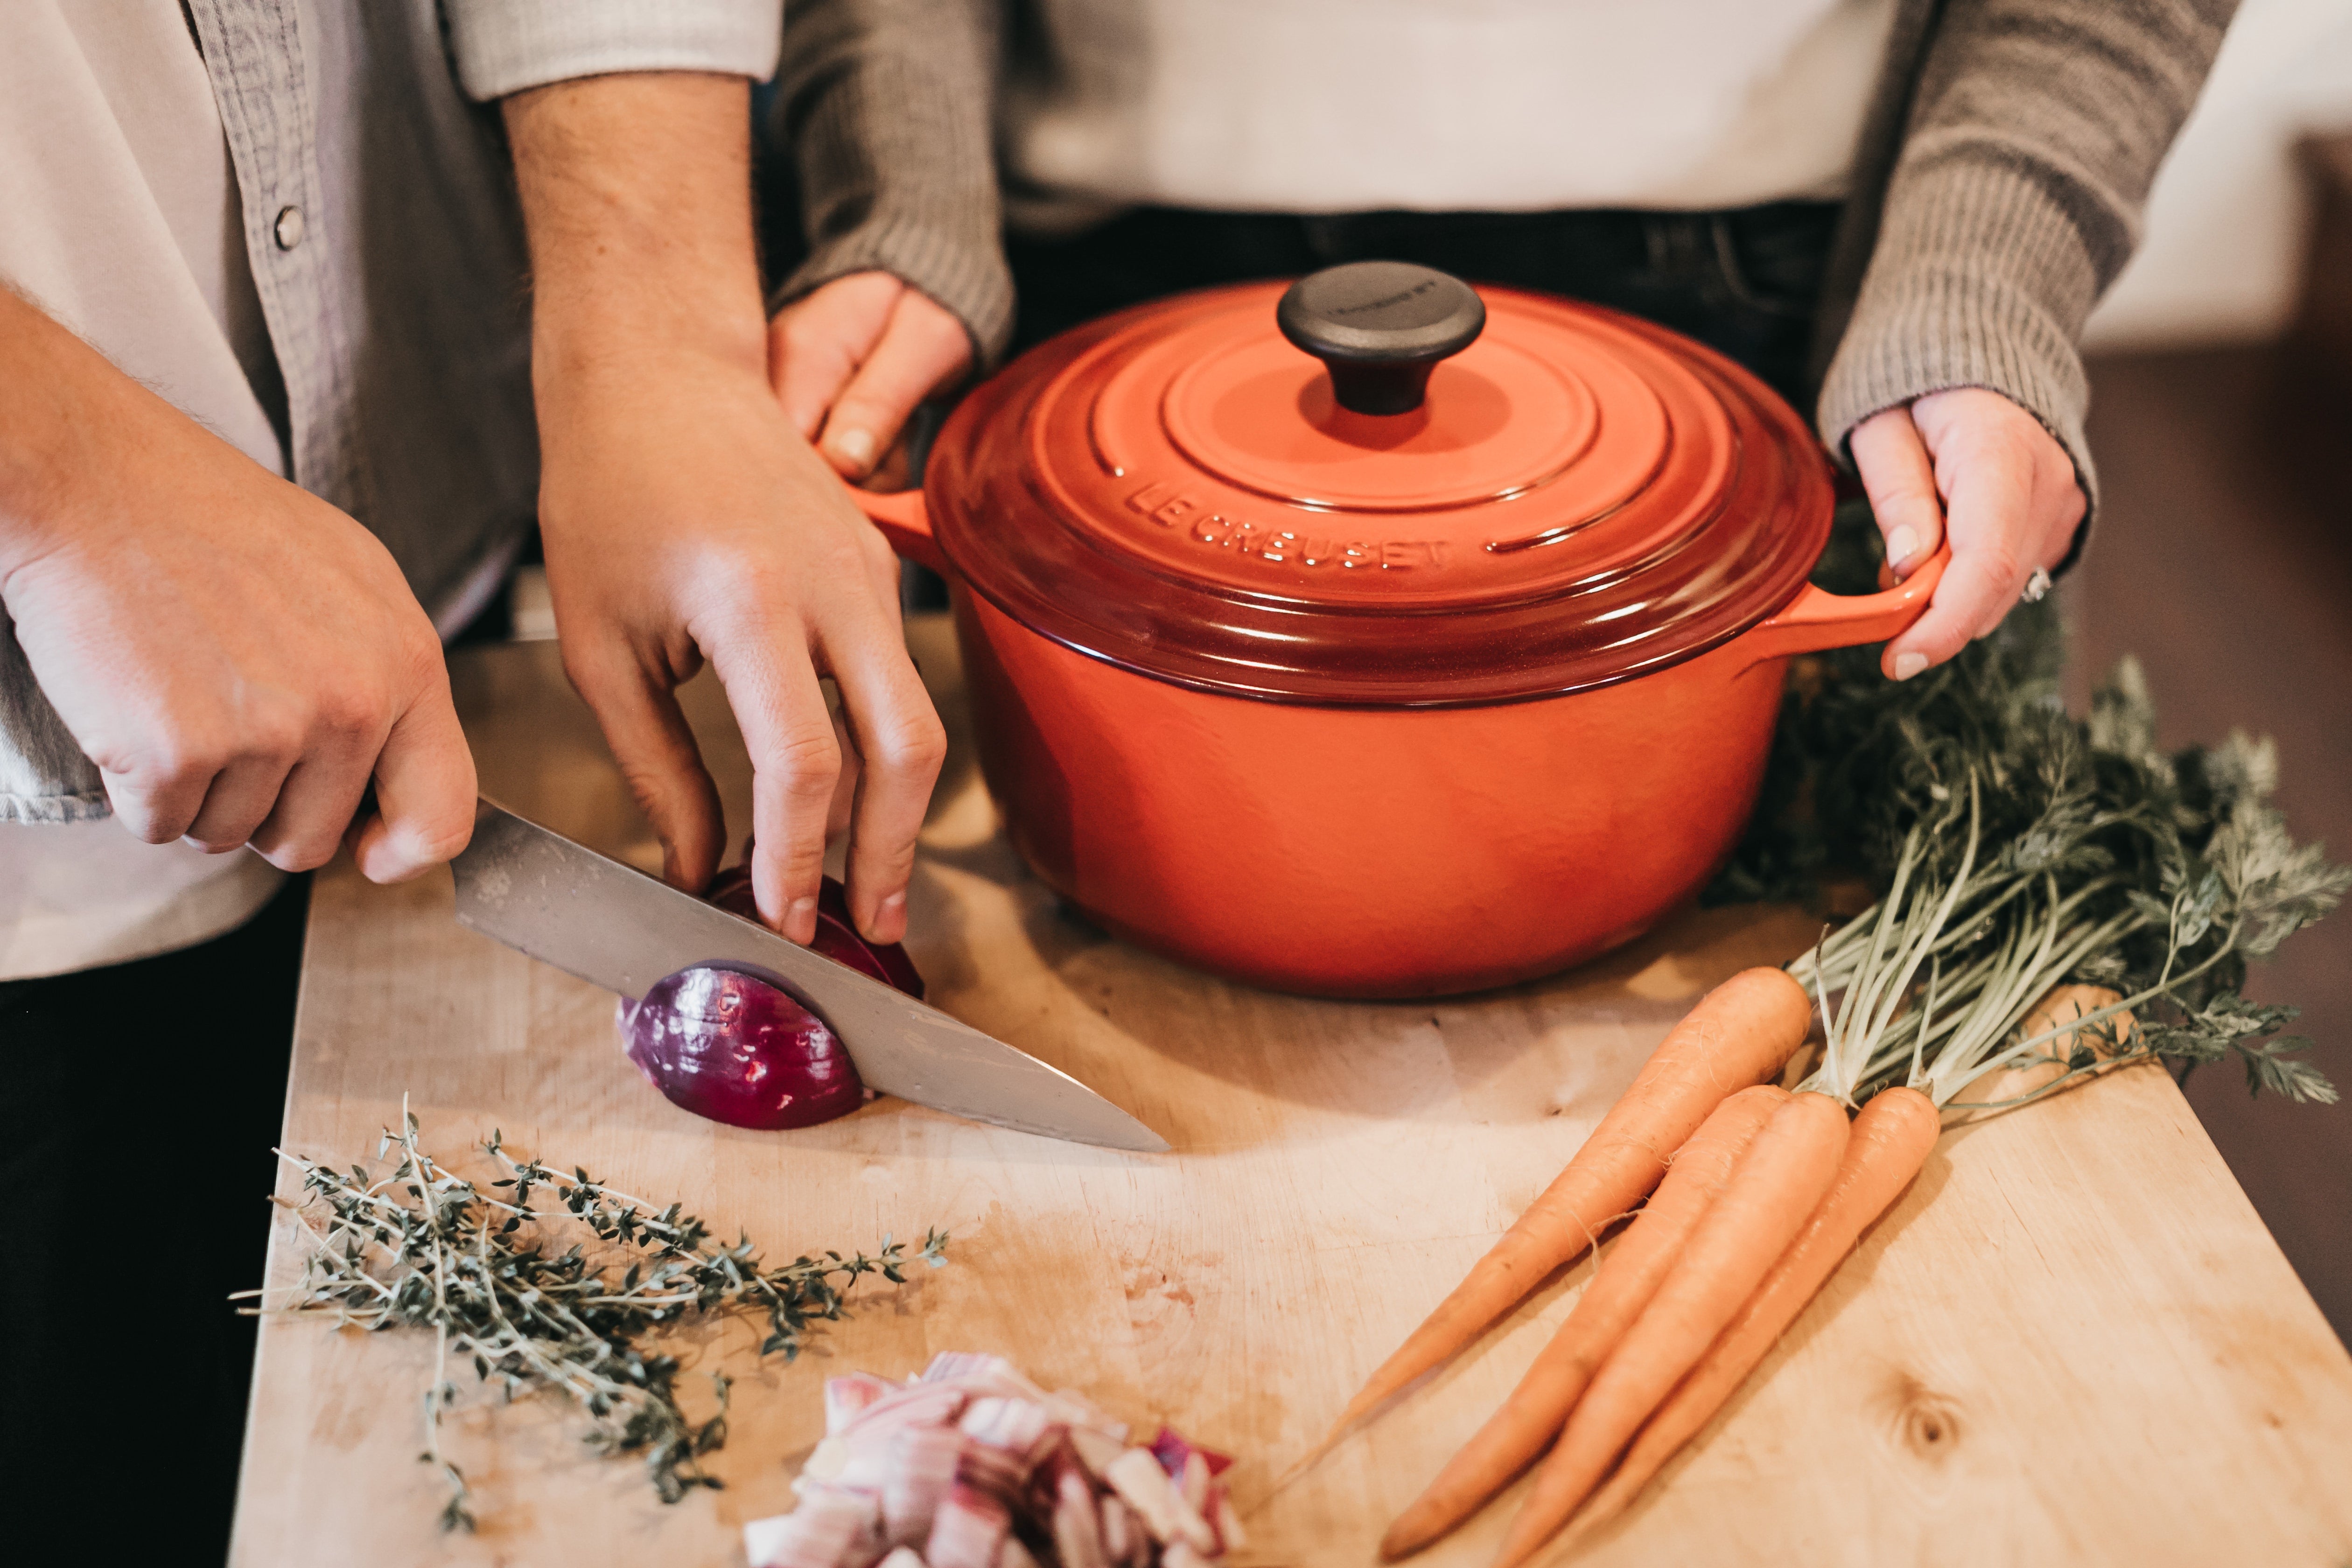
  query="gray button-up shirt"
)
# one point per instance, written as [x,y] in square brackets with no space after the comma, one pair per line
[387,249]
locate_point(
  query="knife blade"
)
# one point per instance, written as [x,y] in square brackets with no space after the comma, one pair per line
[616,927]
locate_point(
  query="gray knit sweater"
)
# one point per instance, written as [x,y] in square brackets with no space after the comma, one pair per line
[1997,190]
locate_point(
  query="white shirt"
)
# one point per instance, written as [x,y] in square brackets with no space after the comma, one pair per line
[379,233]
[121,221]
[1445,105]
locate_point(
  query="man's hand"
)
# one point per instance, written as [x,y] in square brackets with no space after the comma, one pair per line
[1971,463]
[851,359]
[685,517]
[238,657]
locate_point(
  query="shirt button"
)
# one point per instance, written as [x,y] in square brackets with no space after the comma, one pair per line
[288,227]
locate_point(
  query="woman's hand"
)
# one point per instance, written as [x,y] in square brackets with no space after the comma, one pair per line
[1969,463]
[851,361]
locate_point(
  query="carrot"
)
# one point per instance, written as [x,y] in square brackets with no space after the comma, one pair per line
[1772,1191]
[1518,1434]
[1741,1032]
[1890,1141]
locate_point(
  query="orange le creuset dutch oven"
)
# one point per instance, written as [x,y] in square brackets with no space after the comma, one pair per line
[1372,638]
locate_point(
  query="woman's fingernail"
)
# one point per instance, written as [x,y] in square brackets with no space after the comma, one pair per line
[1908,665]
[1901,545]
[857,445]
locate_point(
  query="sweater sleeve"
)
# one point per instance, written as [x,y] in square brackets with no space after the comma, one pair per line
[503,47]
[2035,130]
[887,108]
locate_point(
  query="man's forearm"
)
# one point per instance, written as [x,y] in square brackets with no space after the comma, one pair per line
[39,398]
[235,657]
[636,194]
[688,522]
[61,404]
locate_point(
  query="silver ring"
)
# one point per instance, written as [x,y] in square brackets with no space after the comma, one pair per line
[2036,586]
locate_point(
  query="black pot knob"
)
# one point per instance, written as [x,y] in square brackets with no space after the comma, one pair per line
[1380,328]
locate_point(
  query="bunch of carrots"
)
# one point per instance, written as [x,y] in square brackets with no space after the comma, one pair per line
[1755,1194]
[1960,989]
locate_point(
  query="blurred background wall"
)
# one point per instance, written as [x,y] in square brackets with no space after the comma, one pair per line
[2223,253]
[2221,559]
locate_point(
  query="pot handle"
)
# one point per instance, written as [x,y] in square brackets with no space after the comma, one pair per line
[906,521]
[1817,619]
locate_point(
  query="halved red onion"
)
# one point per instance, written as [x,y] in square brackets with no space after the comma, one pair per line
[836,933]
[737,1049]
[734,1048]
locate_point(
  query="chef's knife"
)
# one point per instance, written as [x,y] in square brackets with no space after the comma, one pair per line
[616,927]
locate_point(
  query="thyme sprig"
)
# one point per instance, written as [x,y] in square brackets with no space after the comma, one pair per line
[421,1247]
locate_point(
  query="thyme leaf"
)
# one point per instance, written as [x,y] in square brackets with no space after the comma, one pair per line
[488,1273]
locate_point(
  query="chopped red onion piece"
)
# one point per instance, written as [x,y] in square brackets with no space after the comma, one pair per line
[763,1538]
[825,1463]
[1225,1521]
[845,1397]
[1171,1447]
[1192,1486]
[970,1528]
[870,1462]
[1144,1487]
[1096,1451]
[1016,1425]
[923,1462]
[980,1374]
[1077,1523]
[1075,1410]
[992,1471]
[829,1529]
[1124,1541]
[916,1404]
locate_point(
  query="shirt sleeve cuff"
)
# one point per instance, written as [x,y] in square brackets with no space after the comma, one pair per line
[503,47]
[969,280]
[1979,278]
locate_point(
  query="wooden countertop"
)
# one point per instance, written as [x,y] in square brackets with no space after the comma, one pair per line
[2073,1342]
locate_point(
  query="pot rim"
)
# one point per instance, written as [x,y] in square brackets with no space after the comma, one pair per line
[1741,562]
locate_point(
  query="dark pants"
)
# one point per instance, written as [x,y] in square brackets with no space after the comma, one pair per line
[1743,281]
[137,1106]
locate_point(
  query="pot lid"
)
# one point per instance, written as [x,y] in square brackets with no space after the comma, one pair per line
[1379,489]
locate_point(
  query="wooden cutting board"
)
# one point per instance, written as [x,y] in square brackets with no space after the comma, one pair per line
[2072,1342]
